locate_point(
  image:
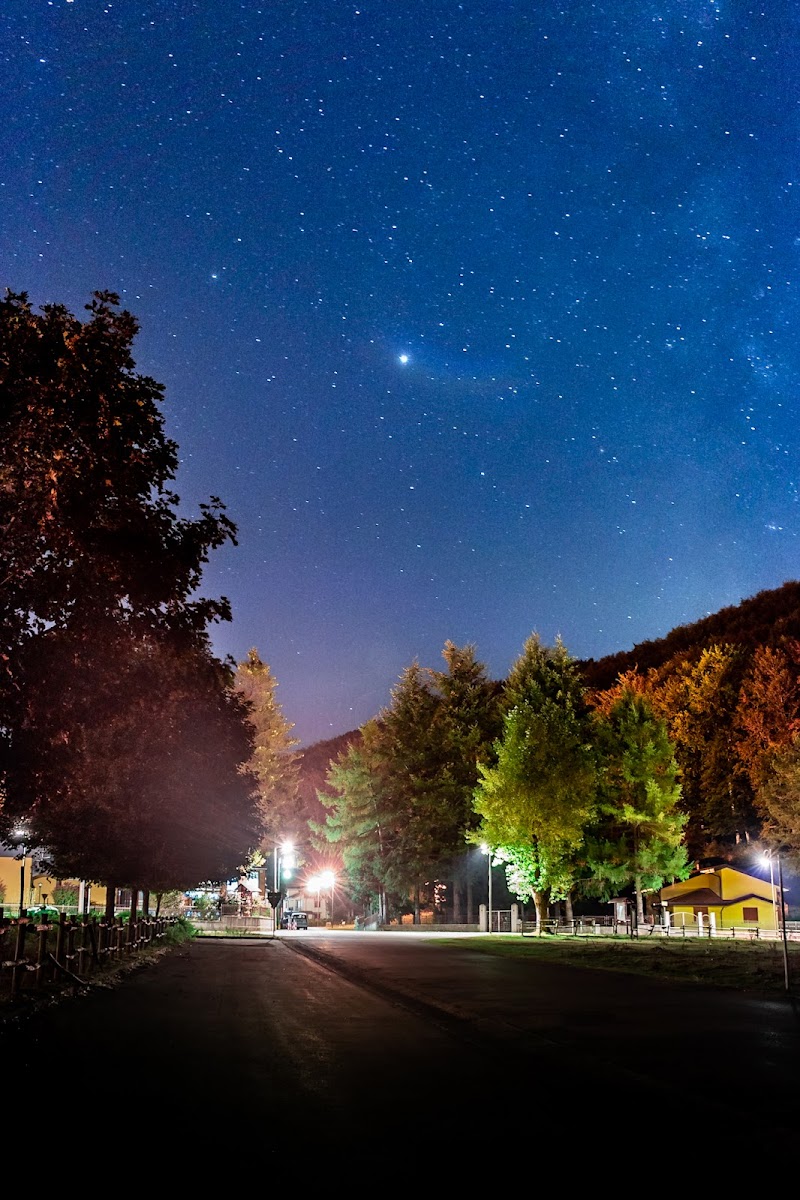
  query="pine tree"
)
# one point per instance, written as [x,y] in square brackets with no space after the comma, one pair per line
[768,710]
[274,762]
[536,800]
[638,835]
[699,701]
[355,822]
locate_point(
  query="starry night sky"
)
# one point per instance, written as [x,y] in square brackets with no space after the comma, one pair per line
[481,318]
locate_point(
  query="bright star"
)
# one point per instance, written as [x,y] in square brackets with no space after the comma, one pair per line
[403,358]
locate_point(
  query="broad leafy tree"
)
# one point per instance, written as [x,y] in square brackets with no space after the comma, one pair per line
[143,783]
[103,634]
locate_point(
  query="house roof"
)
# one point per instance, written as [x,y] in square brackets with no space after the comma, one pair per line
[709,899]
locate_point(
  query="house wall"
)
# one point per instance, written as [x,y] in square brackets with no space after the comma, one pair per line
[737,883]
[10,877]
[691,884]
[727,916]
[766,913]
[45,885]
[727,882]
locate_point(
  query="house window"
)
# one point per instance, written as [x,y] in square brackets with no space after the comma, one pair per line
[701,911]
[750,914]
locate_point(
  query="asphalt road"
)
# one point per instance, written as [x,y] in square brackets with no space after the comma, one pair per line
[332,1039]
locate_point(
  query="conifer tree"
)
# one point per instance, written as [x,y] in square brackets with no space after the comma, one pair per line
[421,756]
[699,701]
[768,711]
[638,835]
[355,822]
[274,762]
[536,800]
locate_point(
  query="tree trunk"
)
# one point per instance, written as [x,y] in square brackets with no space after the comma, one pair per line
[541,902]
[111,893]
[146,904]
[568,908]
[134,902]
[639,904]
[159,896]
[416,904]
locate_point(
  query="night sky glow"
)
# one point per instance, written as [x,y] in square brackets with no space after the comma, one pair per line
[481,318]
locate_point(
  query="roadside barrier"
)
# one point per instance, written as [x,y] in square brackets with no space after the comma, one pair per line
[35,951]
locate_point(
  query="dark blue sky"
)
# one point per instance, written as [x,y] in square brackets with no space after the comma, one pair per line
[580,227]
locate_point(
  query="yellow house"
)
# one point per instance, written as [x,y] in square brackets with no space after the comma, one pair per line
[731,896]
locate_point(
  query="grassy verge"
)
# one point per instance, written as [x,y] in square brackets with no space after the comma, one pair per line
[746,966]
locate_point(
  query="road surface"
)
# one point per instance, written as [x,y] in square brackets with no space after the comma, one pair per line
[353,1039]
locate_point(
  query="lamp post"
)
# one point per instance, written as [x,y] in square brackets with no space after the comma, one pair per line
[282,857]
[20,835]
[328,880]
[486,849]
[769,854]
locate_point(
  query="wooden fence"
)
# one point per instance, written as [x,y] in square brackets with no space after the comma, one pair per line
[36,952]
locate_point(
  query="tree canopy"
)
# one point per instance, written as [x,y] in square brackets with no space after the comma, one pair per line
[536,799]
[122,741]
[637,834]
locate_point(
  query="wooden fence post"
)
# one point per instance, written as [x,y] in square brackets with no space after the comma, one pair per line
[19,955]
[93,939]
[69,958]
[41,957]
[61,940]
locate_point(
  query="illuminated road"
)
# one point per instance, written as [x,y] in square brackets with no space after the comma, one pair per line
[349,1032]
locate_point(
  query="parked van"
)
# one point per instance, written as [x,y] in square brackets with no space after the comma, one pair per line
[294,920]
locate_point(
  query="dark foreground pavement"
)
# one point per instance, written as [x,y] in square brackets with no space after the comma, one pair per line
[365,1044]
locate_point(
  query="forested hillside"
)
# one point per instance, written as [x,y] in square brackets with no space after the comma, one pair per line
[584,777]
[765,619]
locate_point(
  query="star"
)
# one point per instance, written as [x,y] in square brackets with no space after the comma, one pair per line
[403,358]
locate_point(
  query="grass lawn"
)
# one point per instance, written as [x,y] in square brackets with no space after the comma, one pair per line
[754,966]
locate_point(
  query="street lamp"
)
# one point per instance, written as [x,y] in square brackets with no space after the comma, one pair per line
[21,834]
[318,883]
[770,854]
[486,849]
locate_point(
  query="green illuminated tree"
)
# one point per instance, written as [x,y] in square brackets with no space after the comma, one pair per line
[536,800]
